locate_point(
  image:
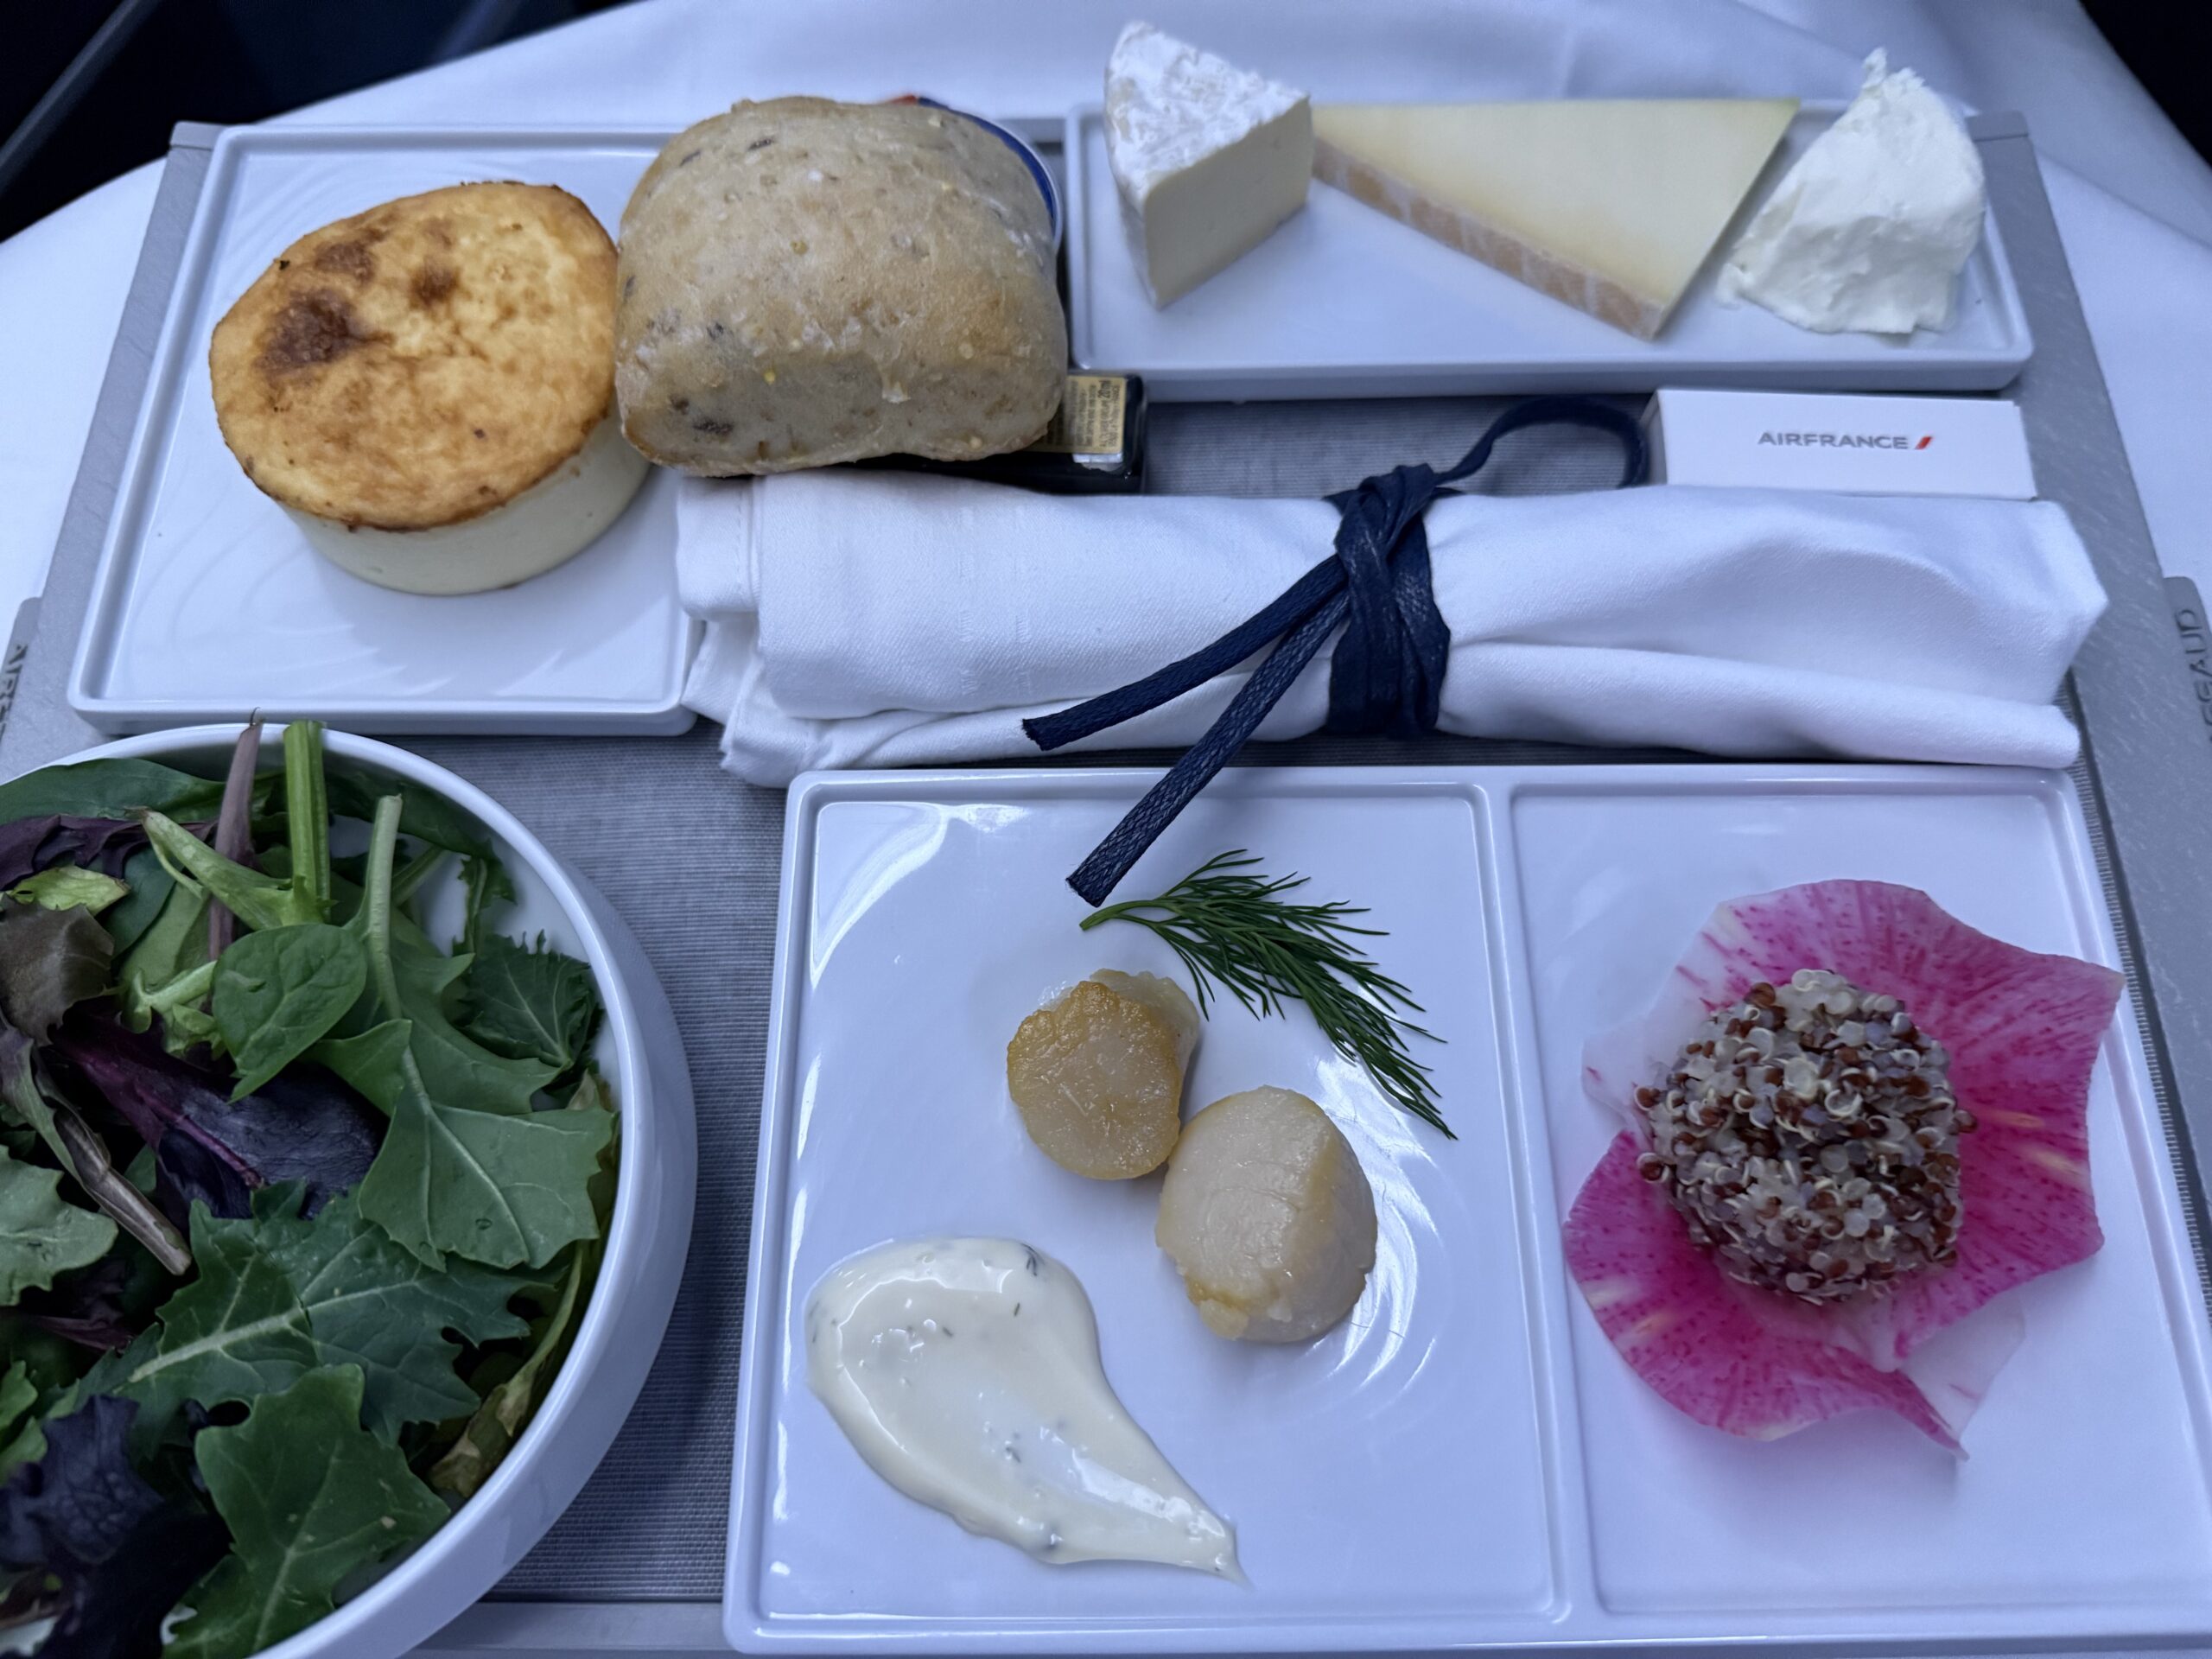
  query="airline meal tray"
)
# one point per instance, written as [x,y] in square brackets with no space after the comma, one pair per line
[637,1564]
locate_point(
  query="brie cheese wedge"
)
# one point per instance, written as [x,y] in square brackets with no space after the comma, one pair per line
[1608,205]
[1208,158]
[1870,229]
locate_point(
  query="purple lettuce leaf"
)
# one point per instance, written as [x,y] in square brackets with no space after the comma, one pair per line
[102,1307]
[121,1554]
[29,845]
[78,1503]
[305,1126]
[50,960]
[117,1609]
[234,832]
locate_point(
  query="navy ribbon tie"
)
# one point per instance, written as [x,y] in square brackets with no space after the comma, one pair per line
[1387,674]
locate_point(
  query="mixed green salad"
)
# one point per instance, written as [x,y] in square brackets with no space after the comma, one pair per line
[298,1207]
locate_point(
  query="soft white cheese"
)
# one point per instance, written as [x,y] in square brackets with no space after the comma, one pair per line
[1870,230]
[1209,158]
[547,525]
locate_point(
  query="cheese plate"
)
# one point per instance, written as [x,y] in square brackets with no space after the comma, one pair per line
[1465,1461]
[1342,302]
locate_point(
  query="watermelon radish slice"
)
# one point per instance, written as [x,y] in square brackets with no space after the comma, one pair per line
[2023,1032]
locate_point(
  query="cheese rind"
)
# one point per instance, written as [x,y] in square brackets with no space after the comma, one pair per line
[1608,205]
[1208,158]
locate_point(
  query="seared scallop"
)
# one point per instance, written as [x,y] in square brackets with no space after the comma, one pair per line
[1097,1074]
[1268,1216]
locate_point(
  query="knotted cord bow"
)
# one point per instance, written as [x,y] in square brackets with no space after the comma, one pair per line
[1387,672]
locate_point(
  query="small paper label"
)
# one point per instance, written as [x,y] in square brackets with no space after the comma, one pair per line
[1854,444]
[1092,410]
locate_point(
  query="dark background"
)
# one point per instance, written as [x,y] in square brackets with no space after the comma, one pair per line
[115,77]
[90,88]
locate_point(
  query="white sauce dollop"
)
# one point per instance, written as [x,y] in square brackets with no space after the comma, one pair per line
[966,1371]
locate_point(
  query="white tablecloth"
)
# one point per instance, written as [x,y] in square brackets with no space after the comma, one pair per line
[2133,202]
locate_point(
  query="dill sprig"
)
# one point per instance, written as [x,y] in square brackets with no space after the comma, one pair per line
[1234,931]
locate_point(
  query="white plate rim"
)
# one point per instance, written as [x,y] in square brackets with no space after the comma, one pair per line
[663,714]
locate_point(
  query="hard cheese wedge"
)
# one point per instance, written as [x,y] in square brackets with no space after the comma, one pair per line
[1611,205]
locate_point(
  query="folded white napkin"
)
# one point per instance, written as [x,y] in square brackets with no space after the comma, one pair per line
[894,620]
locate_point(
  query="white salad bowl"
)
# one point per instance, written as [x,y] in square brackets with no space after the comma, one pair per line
[640,1051]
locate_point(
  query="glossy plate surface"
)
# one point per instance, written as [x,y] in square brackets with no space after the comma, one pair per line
[1465,1461]
[209,603]
[1343,301]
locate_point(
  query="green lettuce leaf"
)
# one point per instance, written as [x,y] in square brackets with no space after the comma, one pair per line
[65,886]
[150,885]
[492,1187]
[259,899]
[506,1411]
[43,1234]
[18,1393]
[511,1402]
[411,979]
[109,789]
[531,1004]
[467,1167]
[237,1330]
[310,1498]
[455,1068]
[279,1294]
[427,817]
[277,992]
[484,882]
[377,1306]
[170,948]
[370,1062]
[27,1096]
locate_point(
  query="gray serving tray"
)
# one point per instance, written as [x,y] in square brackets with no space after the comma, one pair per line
[691,857]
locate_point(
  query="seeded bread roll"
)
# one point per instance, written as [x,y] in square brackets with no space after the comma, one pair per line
[805,282]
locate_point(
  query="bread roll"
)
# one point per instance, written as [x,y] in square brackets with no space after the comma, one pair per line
[805,282]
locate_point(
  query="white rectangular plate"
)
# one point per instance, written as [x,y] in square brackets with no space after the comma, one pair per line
[1465,1461]
[209,604]
[1343,302]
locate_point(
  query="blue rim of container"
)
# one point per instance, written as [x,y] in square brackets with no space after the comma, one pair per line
[1021,147]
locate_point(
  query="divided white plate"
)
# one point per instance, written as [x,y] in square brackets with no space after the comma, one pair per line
[1466,1462]
[1344,302]
[209,604]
